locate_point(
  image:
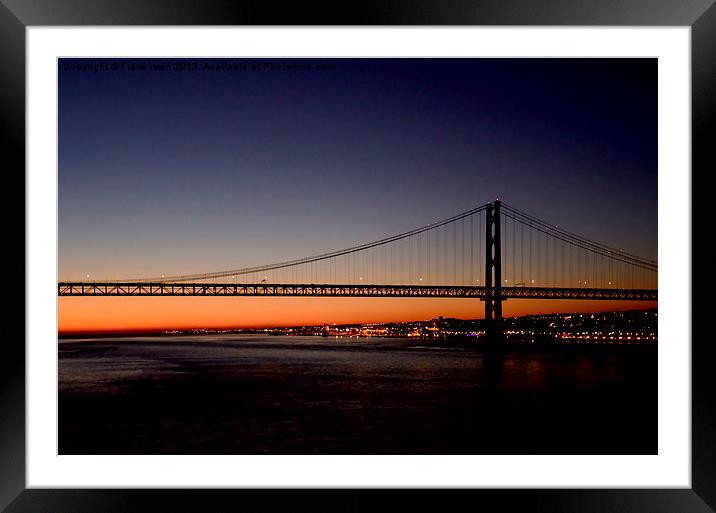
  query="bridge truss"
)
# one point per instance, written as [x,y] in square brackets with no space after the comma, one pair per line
[261,289]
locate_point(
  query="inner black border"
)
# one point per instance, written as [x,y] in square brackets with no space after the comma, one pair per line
[16,15]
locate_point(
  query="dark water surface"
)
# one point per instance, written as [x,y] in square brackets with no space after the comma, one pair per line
[310,395]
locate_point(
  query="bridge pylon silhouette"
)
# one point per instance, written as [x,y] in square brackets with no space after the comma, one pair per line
[493,273]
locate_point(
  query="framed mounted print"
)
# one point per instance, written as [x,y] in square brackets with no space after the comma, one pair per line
[389,256]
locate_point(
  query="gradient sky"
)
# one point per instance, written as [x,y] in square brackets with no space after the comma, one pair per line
[171,172]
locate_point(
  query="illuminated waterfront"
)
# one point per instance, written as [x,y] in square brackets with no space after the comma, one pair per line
[621,327]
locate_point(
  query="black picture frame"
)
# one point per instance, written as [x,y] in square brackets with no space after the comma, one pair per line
[17,15]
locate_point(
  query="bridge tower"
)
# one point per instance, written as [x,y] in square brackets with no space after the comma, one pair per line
[493,273]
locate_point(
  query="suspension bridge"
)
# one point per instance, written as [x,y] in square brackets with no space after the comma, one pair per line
[494,252]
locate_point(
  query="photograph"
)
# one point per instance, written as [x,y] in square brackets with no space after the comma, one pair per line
[308,257]
[357,256]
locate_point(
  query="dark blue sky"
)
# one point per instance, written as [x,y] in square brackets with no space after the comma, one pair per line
[192,171]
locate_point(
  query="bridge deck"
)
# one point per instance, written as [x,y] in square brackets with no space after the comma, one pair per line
[264,289]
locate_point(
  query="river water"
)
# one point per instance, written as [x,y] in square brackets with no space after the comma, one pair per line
[229,394]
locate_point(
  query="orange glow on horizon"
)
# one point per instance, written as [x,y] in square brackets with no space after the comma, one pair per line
[83,315]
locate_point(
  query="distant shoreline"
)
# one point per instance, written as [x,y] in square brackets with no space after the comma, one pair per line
[630,327]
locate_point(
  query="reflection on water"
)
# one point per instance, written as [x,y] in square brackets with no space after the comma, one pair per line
[228,394]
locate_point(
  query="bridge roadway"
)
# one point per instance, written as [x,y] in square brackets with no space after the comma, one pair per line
[324,290]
